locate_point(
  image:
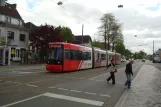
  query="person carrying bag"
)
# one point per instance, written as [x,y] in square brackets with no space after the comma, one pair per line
[112,68]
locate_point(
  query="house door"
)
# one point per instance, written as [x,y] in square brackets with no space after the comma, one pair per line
[1,56]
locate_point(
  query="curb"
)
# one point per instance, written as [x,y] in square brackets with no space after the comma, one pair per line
[123,98]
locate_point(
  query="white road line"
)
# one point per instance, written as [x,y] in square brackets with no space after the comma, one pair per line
[75,91]
[90,93]
[31,85]
[105,95]
[69,77]
[9,81]
[82,78]
[97,76]
[51,87]
[99,80]
[62,89]
[22,101]
[17,83]
[80,100]
[120,83]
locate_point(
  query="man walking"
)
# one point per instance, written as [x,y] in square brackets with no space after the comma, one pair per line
[112,72]
[129,73]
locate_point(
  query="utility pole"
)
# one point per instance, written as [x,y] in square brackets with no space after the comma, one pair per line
[153,51]
[105,35]
[82,32]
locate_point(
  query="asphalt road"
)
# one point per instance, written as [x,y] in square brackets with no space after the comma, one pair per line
[86,88]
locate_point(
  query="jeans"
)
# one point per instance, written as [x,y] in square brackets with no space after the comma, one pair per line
[128,82]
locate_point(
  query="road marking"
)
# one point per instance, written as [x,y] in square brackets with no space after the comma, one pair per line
[80,100]
[1,80]
[62,89]
[22,101]
[17,83]
[75,91]
[120,83]
[69,77]
[82,78]
[31,85]
[51,87]
[99,80]
[105,95]
[97,76]
[9,81]
[90,93]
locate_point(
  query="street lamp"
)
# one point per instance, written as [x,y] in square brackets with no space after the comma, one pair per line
[61,3]
[120,6]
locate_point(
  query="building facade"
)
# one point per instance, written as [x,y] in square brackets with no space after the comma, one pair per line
[14,36]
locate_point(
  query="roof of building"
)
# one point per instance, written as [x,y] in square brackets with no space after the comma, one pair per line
[86,38]
[10,10]
[29,25]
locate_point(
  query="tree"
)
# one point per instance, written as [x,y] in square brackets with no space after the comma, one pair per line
[128,53]
[120,48]
[96,44]
[140,55]
[110,29]
[66,33]
[41,36]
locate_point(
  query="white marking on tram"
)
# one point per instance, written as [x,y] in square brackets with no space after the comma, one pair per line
[90,93]
[75,91]
[62,89]
[69,98]
[105,95]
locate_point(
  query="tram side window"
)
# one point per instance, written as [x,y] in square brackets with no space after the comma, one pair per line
[87,55]
[103,57]
[71,55]
[67,54]
[79,55]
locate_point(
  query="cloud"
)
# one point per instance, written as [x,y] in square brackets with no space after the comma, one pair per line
[139,17]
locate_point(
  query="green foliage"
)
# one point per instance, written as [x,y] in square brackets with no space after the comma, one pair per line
[140,55]
[120,48]
[110,30]
[66,33]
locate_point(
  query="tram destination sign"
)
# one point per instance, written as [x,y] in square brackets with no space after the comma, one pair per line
[54,46]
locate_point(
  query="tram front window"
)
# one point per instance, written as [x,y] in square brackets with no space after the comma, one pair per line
[54,56]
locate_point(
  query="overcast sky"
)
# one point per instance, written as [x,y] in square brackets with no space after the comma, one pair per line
[139,17]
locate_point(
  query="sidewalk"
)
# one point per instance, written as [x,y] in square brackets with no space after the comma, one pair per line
[145,91]
[22,67]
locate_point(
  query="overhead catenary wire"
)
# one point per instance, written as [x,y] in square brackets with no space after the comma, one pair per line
[70,11]
[38,15]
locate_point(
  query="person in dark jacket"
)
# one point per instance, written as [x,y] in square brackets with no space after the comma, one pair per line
[111,68]
[129,73]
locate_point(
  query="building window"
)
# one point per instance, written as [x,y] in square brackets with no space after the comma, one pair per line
[22,37]
[8,19]
[10,35]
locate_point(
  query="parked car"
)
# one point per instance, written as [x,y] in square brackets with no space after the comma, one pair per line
[143,60]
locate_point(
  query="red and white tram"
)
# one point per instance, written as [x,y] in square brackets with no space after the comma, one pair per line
[64,57]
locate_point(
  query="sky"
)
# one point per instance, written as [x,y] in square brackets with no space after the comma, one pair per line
[138,17]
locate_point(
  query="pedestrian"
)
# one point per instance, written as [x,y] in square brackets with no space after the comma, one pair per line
[111,67]
[129,73]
